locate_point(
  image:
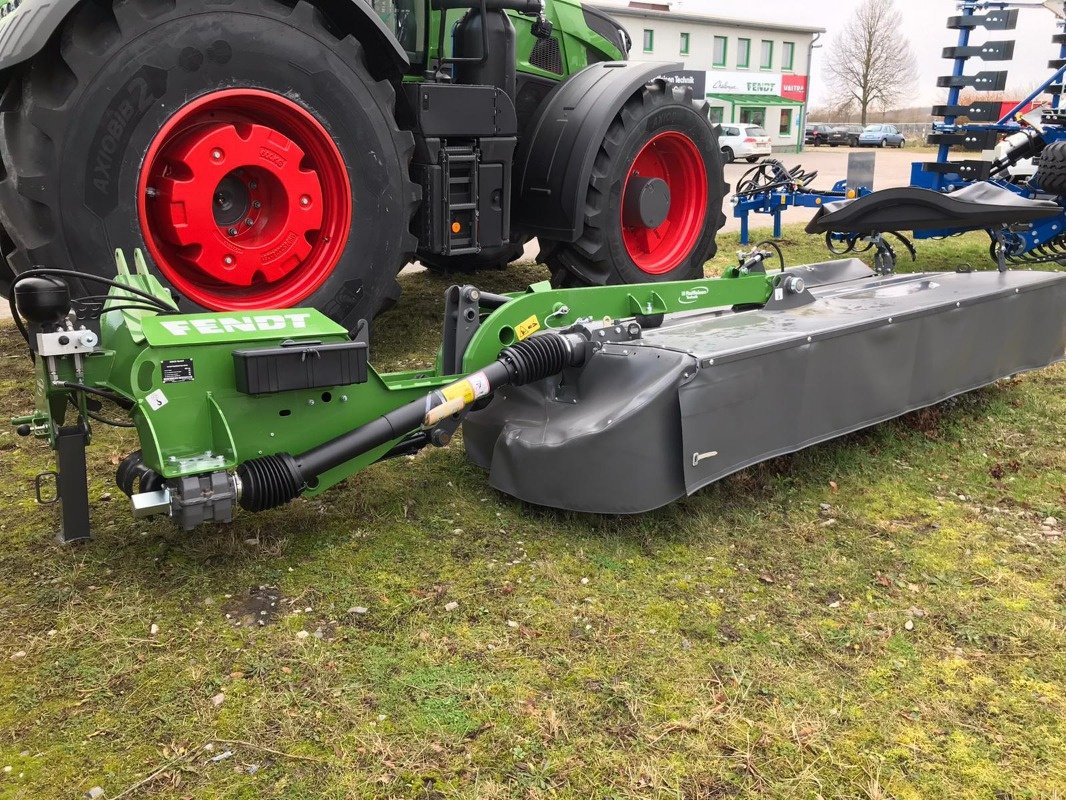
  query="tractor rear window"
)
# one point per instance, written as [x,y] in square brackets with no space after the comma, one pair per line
[406,19]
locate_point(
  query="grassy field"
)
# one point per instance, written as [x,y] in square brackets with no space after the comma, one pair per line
[880,617]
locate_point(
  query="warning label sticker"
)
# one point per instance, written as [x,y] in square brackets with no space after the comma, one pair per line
[178,370]
[523,330]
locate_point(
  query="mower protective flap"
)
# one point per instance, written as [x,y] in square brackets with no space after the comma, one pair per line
[710,393]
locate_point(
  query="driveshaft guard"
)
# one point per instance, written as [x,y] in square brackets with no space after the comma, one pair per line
[605,439]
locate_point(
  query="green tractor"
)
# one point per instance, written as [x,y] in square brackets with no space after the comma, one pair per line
[271,153]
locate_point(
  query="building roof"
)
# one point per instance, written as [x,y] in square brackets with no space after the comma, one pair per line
[707,19]
[754,99]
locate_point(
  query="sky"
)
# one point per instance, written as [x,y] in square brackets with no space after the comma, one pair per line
[925,28]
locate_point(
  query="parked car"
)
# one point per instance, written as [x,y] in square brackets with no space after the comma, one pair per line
[850,134]
[881,136]
[817,134]
[744,141]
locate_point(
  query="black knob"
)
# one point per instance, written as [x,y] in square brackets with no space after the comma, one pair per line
[23,430]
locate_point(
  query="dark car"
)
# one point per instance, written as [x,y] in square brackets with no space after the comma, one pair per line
[850,134]
[817,135]
[838,136]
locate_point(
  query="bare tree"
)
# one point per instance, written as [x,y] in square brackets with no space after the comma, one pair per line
[871,62]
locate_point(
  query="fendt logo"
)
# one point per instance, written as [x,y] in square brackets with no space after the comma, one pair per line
[249,324]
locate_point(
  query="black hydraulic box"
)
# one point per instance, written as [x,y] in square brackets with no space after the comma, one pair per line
[299,366]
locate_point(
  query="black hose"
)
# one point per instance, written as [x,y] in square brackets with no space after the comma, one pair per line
[122,402]
[88,276]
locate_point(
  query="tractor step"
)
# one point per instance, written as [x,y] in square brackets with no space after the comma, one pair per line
[645,422]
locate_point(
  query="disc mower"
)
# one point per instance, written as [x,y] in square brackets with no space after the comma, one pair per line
[610,399]
[281,153]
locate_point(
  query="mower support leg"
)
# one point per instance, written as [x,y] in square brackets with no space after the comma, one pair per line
[71,486]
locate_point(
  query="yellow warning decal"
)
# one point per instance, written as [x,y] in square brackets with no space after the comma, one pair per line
[523,330]
[469,389]
[461,389]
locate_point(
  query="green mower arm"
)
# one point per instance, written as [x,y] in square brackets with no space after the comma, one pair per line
[256,408]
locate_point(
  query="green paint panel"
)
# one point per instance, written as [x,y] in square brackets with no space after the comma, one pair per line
[177,330]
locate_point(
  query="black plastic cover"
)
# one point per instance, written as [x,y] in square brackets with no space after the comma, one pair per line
[645,423]
[450,110]
[267,370]
[908,208]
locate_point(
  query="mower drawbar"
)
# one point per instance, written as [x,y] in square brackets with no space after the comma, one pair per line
[274,480]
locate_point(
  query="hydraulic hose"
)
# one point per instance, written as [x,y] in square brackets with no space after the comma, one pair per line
[271,481]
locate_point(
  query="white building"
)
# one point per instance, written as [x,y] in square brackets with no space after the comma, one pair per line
[757,70]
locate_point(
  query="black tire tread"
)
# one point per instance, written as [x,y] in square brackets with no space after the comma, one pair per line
[33,110]
[579,263]
[1051,169]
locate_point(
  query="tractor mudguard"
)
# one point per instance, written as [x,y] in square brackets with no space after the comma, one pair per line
[554,162]
[26,29]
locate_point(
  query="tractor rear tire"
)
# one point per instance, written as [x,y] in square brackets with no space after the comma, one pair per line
[228,138]
[489,258]
[659,132]
[1051,169]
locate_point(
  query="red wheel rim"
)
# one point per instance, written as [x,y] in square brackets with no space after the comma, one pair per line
[675,159]
[244,201]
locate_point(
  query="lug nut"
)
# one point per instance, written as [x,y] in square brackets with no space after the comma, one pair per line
[249,221]
[305,201]
[232,231]
[228,261]
[256,203]
[216,154]
[253,185]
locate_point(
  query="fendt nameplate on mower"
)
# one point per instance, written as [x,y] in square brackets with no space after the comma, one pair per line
[613,399]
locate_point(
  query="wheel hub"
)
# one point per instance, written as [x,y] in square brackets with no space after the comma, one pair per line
[246,201]
[646,202]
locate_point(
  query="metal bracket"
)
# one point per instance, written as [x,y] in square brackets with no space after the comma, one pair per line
[462,317]
[71,484]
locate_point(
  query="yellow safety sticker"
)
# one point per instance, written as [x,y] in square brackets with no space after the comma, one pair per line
[470,389]
[524,330]
[461,389]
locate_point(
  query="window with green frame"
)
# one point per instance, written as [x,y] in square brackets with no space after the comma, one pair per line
[684,44]
[743,53]
[784,128]
[788,55]
[717,115]
[649,40]
[766,56]
[719,51]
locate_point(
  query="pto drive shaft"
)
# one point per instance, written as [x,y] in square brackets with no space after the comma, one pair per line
[274,480]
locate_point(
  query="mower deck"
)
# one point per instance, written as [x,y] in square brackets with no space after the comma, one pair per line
[710,393]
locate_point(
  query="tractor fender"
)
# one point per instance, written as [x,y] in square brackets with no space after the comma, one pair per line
[554,162]
[29,24]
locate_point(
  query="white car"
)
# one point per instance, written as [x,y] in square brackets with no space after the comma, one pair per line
[749,142]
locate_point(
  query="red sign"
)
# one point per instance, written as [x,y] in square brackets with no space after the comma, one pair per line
[794,87]
[1005,108]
